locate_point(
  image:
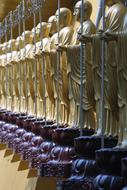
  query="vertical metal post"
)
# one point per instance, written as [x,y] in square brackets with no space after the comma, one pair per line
[0,38]
[6,71]
[58,65]
[11,24]
[81,71]
[19,56]
[99,13]
[26,68]
[43,65]
[102,81]
[35,64]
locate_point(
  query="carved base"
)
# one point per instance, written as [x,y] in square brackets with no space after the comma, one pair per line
[105,182]
[79,184]
[60,162]
[83,173]
[65,136]
[124,167]
[60,170]
[86,146]
[109,161]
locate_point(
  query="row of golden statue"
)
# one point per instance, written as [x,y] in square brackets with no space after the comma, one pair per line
[31,80]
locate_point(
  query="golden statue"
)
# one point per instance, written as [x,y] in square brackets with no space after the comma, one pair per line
[41,45]
[17,74]
[3,76]
[73,55]
[49,79]
[8,78]
[120,39]
[113,23]
[27,83]
[12,72]
[61,81]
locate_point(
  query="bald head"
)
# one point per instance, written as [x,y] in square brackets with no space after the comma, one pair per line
[65,16]
[87,9]
[52,26]
[27,36]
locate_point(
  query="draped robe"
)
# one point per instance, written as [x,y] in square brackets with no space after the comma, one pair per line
[73,54]
[61,81]
[113,23]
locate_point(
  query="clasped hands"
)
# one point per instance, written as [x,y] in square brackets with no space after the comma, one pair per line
[103,35]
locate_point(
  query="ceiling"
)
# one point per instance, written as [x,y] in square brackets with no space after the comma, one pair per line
[48,9]
[50,5]
[6,6]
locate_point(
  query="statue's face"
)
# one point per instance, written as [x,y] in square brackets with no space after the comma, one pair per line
[19,43]
[57,18]
[109,2]
[77,10]
[42,29]
[1,47]
[60,19]
[52,25]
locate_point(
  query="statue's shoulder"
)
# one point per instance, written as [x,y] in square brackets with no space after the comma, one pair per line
[38,44]
[45,40]
[14,52]
[54,36]
[67,29]
[117,8]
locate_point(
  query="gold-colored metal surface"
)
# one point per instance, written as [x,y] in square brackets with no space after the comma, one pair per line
[6,6]
[50,5]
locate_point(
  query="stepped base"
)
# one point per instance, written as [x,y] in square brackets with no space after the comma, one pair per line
[124,167]
[79,184]
[86,146]
[105,182]
[109,161]
[83,174]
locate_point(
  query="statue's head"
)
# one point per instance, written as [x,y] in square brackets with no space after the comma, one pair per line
[19,42]
[5,48]
[111,2]
[43,27]
[65,17]
[12,45]
[28,37]
[87,10]
[35,32]
[52,25]
[1,49]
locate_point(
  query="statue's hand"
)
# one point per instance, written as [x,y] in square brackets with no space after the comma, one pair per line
[36,55]
[61,48]
[101,34]
[85,38]
[107,36]
[110,36]
[46,53]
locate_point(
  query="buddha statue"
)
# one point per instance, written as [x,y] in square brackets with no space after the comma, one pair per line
[73,57]
[42,45]
[119,37]
[61,90]
[49,77]
[17,73]
[113,23]
[28,97]
[12,72]
[2,73]
[7,78]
